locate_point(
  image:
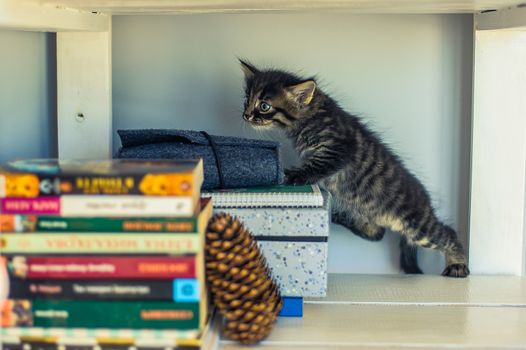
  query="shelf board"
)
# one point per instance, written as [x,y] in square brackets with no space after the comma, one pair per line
[399,326]
[32,15]
[94,15]
[407,312]
[350,6]
[424,289]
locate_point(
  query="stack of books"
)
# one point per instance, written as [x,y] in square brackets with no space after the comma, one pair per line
[291,225]
[103,252]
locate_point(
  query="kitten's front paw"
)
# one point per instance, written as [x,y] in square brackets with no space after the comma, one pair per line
[456,270]
[295,177]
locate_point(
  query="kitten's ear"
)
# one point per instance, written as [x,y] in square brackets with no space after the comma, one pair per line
[302,92]
[248,69]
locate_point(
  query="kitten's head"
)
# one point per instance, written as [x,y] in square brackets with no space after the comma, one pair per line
[276,98]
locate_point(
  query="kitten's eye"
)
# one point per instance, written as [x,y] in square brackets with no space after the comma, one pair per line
[264,107]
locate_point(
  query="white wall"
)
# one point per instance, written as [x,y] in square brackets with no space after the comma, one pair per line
[408,76]
[27,95]
[524,239]
[499,152]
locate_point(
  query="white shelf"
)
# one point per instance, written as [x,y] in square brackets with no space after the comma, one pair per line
[354,6]
[424,290]
[498,183]
[30,15]
[408,312]
[95,15]
[400,326]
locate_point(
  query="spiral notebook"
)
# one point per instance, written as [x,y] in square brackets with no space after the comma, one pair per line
[273,196]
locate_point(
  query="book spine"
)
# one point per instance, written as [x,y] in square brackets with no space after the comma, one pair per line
[95,244]
[33,223]
[38,185]
[31,206]
[96,267]
[100,314]
[103,290]
[90,344]
[104,338]
[108,206]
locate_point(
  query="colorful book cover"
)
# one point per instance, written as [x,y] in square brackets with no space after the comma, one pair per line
[207,338]
[177,290]
[108,243]
[53,177]
[97,267]
[34,223]
[273,196]
[103,338]
[100,314]
[93,243]
[109,206]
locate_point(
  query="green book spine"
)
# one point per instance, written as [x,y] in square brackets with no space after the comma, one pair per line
[100,243]
[101,314]
[34,223]
[31,223]
[301,189]
[118,225]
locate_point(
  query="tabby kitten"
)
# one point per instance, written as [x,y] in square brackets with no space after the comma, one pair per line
[372,189]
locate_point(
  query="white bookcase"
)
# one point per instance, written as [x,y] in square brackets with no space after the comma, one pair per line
[498,154]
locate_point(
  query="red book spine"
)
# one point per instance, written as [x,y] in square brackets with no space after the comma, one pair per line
[93,267]
[30,206]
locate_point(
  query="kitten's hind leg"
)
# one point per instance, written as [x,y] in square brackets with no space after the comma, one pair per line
[359,226]
[408,257]
[444,238]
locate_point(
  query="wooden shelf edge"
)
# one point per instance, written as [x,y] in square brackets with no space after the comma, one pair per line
[33,16]
[508,18]
[94,15]
[229,6]
[424,290]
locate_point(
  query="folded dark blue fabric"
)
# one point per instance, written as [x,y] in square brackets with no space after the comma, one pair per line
[243,162]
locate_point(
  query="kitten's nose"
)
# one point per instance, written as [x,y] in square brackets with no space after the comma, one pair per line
[247,117]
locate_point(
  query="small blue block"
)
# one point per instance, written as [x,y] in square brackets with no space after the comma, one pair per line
[186,290]
[292,307]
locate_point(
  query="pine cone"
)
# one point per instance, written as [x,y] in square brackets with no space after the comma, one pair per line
[240,281]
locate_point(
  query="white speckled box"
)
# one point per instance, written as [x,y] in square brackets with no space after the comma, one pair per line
[294,242]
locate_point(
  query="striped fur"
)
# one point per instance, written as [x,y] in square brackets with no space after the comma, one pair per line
[372,189]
